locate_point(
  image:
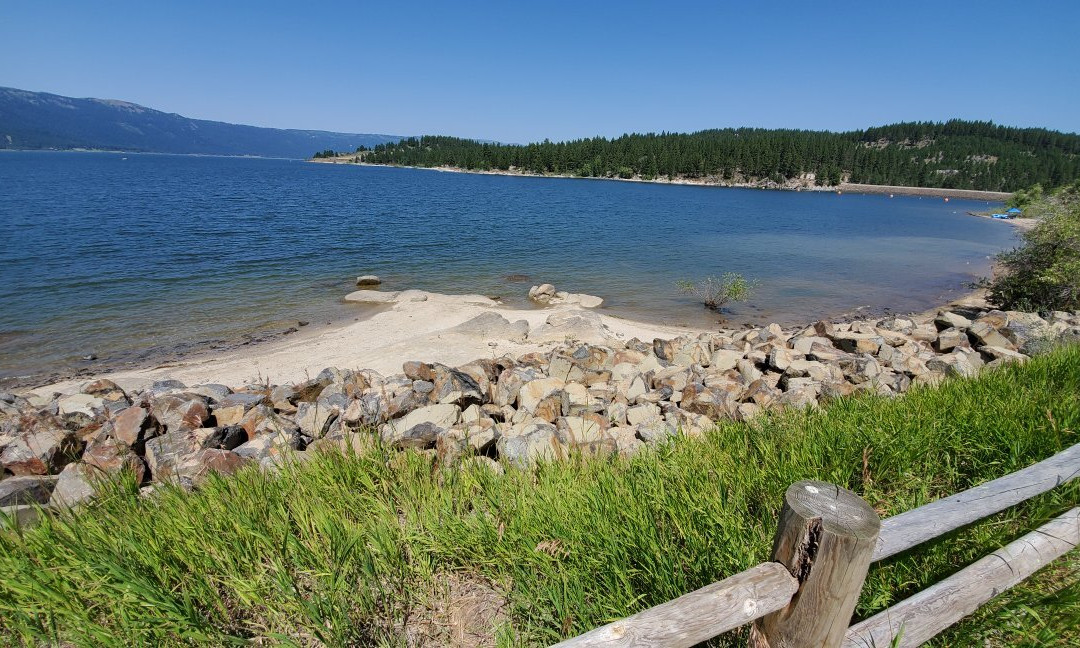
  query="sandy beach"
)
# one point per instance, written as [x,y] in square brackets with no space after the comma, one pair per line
[417,326]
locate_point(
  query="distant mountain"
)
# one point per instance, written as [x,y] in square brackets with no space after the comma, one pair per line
[38,120]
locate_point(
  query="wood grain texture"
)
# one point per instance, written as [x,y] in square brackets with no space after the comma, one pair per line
[825,539]
[927,613]
[901,532]
[699,615]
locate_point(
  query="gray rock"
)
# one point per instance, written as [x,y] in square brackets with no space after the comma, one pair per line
[29,489]
[949,319]
[80,410]
[42,448]
[180,412]
[492,326]
[368,280]
[166,452]
[528,443]
[212,392]
[74,486]
[314,419]
[422,427]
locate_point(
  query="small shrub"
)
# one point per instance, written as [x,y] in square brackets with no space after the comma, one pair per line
[716,292]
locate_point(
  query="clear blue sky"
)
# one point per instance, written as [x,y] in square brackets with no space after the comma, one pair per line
[522,71]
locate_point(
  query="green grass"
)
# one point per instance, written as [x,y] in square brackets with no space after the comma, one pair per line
[360,549]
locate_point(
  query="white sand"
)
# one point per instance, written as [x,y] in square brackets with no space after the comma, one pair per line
[409,330]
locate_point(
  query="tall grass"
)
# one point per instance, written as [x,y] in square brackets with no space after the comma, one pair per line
[370,549]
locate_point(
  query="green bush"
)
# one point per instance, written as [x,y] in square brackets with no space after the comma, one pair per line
[716,292]
[1043,274]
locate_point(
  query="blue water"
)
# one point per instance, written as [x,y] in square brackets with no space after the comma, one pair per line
[130,256]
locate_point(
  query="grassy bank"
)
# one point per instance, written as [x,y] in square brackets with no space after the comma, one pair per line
[386,548]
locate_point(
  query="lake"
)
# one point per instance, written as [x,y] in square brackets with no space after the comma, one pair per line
[134,257]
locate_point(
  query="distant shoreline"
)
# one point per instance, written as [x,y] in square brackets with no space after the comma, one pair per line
[711,181]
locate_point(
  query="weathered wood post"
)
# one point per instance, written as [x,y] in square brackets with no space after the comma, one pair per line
[826,537]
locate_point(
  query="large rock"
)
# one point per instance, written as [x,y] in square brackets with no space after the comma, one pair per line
[982,333]
[180,412]
[367,280]
[571,325]
[949,319]
[111,456]
[80,410]
[533,392]
[74,486]
[372,297]
[197,468]
[29,489]
[422,427]
[133,426]
[510,382]
[492,326]
[43,447]
[455,387]
[715,402]
[542,294]
[528,443]
[315,419]
[164,453]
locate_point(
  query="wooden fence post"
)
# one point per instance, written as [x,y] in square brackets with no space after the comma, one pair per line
[826,537]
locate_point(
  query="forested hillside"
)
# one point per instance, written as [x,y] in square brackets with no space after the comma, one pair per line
[38,120]
[955,154]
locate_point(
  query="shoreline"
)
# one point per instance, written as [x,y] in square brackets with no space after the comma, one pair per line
[417,325]
[710,181]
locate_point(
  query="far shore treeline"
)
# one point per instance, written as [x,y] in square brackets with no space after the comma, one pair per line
[955,154]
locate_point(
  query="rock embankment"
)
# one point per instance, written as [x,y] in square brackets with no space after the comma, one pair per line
[502,410]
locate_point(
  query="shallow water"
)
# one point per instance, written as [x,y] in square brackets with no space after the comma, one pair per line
[130,257]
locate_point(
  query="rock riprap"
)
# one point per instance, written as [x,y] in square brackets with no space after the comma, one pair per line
[571,397]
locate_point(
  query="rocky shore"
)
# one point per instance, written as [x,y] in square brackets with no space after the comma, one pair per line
[602,396]
[806,182]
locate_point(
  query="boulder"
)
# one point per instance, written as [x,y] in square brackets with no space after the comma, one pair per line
[372,297]
[527,443]
[42,447]
[180,412]
[369,409]
[533,392]
[28,489]
[314,419]
[367,280]
[492,326]
[110,456]
[451,386]
[950,338]
[655,430]
[420,428]
[982,333]
[80,410]
[570,324]
[133,426]
[74,486]
[949,319]
[510,382]
[166,452]
[542,294]
[725,359]
[197,468]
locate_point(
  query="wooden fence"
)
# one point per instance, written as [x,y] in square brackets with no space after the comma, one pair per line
[826,540]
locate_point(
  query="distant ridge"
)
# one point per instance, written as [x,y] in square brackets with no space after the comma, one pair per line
[39,120]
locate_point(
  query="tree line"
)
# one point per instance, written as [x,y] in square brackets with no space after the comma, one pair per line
[954,154]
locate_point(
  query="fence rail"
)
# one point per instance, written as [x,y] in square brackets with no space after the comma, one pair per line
[826,540]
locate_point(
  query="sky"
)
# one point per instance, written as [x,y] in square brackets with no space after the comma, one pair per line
[523,71]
